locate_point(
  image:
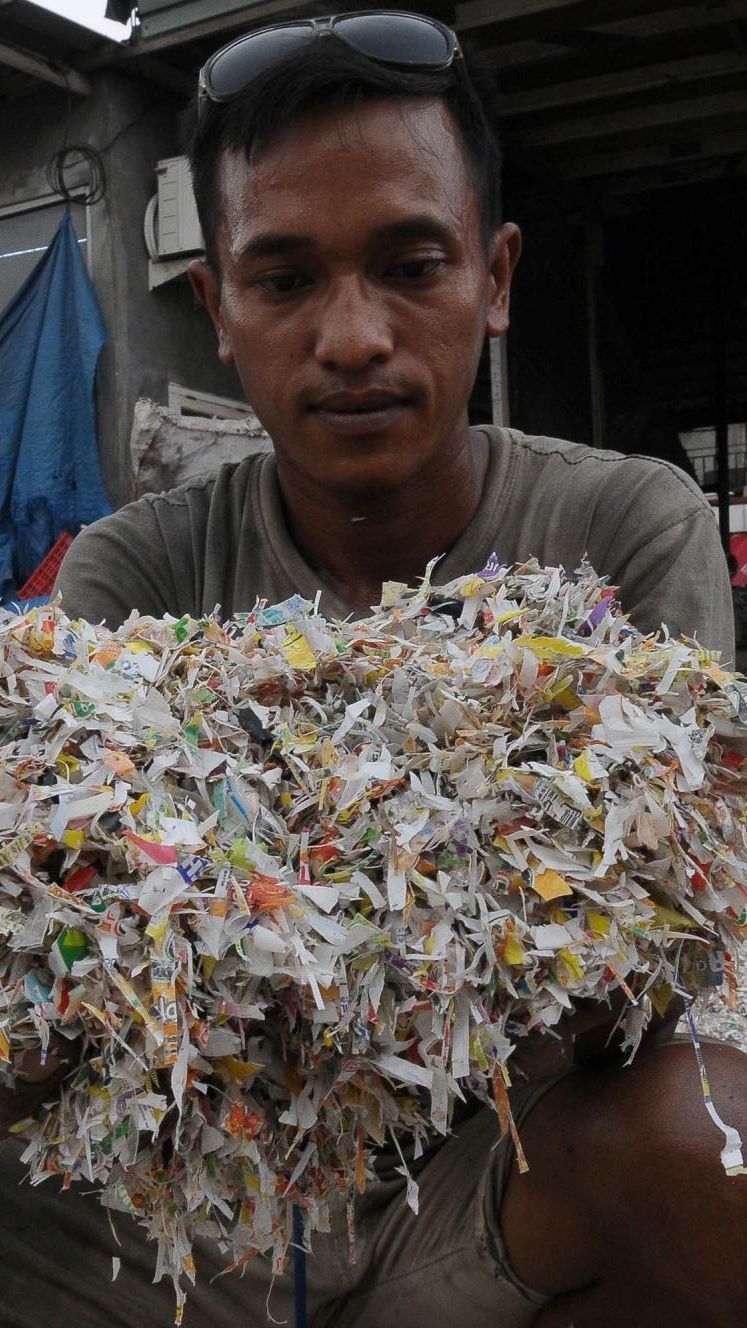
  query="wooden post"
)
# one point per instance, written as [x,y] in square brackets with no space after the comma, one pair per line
[593,260]
[499,381]
[721,402]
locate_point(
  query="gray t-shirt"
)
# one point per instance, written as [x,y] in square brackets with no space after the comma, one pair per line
[224,541]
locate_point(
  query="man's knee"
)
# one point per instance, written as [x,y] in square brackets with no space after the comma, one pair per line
[625,1171]
[695,1214]
[664,1201]
[658,1110]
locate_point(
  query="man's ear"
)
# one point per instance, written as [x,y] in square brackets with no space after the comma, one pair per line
[506,251]
[206,287]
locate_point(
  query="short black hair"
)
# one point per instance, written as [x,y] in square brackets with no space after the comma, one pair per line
[330,74]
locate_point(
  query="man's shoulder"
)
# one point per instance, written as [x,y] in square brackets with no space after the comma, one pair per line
[536,450]
[157,552]
[179,513]
[198,494]
[563,471]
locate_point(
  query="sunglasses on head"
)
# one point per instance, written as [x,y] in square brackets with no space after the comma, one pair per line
[389,37]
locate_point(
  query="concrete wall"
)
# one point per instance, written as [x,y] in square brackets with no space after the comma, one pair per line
[153,336]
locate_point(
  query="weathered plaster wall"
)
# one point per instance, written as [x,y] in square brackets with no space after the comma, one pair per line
[153,336]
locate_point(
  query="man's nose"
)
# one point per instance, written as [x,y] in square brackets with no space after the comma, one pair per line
[354,326]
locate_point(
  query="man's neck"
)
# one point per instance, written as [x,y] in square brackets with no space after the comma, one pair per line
[357,541]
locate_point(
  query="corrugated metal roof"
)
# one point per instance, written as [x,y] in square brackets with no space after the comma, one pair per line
[597,91]
[590,89]
[33,38]
[174,17]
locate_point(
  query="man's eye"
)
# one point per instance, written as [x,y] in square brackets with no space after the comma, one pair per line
[414,269]
[282,283]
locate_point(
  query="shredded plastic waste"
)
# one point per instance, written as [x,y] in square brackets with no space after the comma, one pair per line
[293,888]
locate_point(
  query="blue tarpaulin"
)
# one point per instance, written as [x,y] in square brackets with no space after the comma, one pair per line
[51,334]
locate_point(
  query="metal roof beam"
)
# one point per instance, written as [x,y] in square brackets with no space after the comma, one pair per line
[680,113]
[512,55]
[649,78]
[670,19]
[552,14]
[51,71]
[188,21]
[622,192]
[478,13]
[700,148]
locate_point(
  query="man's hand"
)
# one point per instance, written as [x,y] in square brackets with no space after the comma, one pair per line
[35,1081]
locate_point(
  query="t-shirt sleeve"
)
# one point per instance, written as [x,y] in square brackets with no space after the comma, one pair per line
[117,565]
[665,554]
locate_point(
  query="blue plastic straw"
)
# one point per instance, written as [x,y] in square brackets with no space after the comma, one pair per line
[299,1268]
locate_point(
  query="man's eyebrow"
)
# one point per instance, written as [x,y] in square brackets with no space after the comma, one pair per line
[268,245]
[271,244]
[414,228]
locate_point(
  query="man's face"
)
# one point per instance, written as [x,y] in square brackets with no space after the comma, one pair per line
[355,292]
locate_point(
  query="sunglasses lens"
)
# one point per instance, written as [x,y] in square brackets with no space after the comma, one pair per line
[236,67]
[396,38]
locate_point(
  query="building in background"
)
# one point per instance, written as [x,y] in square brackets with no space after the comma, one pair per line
[624,127]
[76,114]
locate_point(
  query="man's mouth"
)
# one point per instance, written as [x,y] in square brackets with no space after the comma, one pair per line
[356,413]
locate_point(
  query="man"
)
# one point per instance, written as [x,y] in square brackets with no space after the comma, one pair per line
[355,262]
[346,180]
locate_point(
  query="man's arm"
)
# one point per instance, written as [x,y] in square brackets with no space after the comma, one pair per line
[119,564]
[659,542]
